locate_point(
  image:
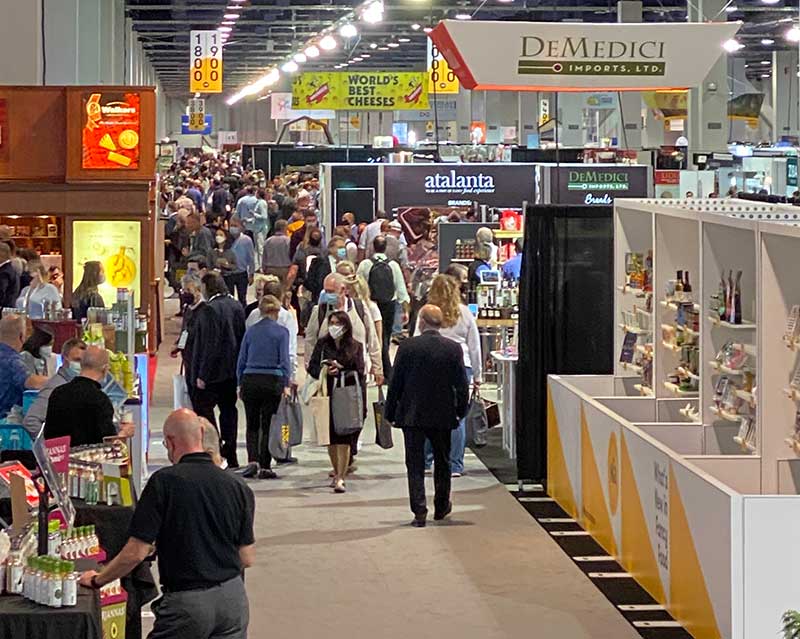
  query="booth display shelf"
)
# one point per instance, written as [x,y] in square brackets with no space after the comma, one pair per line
[696,489]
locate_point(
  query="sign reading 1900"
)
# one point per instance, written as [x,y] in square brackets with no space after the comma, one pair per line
[580,67]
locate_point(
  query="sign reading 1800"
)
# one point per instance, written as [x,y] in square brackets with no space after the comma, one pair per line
[586,56]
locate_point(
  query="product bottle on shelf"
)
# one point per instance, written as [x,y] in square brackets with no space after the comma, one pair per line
[679,286]
[737,298]
[54,585]
[687,287]
[69,584]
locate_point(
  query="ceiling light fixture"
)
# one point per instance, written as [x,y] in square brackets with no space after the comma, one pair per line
[767,41]
[229,23]
[415,27]
[463,16]
[348,31]
[225,29]
[357,59]
[732,46]
[393,45]
[231,16]
[383,48]
[765,62]
[373,12]
[793,34]
[731,8]
[373,45]
[300,58]
[312,51]
[290,67]
[366,55]
[328,43]
[765,75]
[427,29]
[404,40]
[770,1]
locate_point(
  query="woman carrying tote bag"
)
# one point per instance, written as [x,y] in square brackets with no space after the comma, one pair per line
[344,359]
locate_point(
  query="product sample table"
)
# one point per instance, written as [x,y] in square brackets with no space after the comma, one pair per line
[507,383]
[22,618]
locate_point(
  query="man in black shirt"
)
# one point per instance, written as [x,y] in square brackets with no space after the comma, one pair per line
[80,408]
[200,519]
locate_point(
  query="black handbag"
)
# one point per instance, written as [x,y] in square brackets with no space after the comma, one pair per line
[383,427]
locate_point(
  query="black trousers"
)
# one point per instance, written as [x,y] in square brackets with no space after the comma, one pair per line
[261,395]
[387,317]
[237,285]
[222,395]
[415,467]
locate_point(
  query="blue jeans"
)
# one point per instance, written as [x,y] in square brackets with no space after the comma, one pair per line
[397,327]
[458,443]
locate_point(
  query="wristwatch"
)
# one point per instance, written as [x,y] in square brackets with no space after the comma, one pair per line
[94,584]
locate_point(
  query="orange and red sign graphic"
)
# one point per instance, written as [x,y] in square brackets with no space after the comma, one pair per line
[111,132]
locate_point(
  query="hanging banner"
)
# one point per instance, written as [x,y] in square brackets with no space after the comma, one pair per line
[367,91]
[205,70]
[197,115]
[544,56]
[441,78]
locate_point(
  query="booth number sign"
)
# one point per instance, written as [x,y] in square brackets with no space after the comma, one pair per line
[205,72]
[197,114]
[441,78]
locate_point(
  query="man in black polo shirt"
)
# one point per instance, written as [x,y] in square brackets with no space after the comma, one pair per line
[200,519]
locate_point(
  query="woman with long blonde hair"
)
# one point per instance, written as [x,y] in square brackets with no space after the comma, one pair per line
[460,326]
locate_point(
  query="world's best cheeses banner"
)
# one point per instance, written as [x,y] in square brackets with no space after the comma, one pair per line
[534,56]
[360,91]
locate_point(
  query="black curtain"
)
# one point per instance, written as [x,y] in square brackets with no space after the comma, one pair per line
[566,314]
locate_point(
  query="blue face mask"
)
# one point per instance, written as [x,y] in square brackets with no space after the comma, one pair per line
[331,299]
[341,253]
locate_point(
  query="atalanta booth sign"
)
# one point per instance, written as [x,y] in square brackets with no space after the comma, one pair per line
[455,184]
[562,56]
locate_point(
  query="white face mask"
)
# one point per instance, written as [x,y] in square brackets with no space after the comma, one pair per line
[46,351]
[336,331]
[220,239]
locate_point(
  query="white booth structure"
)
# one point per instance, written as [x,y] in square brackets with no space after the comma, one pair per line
[684,464]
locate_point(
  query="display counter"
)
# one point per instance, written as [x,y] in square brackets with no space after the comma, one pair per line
[22,618]
[506,367]
[684,464]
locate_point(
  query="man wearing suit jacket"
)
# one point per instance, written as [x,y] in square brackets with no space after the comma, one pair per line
[9,278]
[218,335]
[428,395]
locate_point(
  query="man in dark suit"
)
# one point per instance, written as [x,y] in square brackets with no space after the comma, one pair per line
[428,395]
[219,331]
[9,278]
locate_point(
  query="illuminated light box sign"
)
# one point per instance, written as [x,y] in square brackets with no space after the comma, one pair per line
[575,57]
[369,91]
[116,244]
[209,127]
[456,185]
[594,185]
[110,138]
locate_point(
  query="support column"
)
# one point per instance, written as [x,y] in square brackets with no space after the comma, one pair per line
[570,119]
[630,102]
[708,104]
[20,45]
[785,92]
[463,115]
[527,115]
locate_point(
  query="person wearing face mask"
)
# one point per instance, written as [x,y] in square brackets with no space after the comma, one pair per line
[36,352]
[245,251]
[323,266]
[14,379]
[80,409]
[33,297]
[86,296]
[71,356]
[192,298]
[301,235]
[342,355]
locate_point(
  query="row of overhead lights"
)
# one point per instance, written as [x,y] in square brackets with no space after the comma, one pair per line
[792,35]
[232,13]
[370,12]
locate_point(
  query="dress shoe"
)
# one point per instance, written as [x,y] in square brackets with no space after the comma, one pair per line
[420,521]
[266,473]
[438,516]
[249,471]
[288,460]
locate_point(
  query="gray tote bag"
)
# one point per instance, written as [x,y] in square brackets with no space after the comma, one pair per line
[347,406]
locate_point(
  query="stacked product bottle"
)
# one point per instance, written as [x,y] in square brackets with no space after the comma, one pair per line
[50,582]
[82,542]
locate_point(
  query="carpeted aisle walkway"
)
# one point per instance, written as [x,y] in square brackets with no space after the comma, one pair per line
[349,566]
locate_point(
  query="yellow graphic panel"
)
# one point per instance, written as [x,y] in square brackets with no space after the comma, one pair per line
[637,556]
[594,515]
[689,600]
[558,484]
[360,91]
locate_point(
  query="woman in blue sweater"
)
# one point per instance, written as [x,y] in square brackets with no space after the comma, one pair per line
[263,371]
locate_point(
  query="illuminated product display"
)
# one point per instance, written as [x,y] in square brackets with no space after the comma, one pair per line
[115,243]
[110,138]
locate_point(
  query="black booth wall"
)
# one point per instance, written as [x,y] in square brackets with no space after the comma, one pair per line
[566,314]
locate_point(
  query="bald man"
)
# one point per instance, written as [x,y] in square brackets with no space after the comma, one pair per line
[80,408]
[200,520]
[428,395]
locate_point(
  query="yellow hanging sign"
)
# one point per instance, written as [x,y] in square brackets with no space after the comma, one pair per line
[205,72]
[360,91]
[441,78]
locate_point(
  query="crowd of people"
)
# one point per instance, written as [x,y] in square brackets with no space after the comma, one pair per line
[348,293]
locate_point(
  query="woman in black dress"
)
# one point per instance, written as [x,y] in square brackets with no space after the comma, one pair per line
[341,354]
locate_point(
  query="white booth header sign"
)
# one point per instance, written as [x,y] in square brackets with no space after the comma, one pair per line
[536,56]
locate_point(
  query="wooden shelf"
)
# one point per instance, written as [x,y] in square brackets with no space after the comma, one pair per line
[723,414]
[673,305]
[646,391]
[744,326]
[676,390]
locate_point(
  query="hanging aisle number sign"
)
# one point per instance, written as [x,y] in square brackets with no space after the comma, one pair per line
[197,114]
[441,76]
[205,73]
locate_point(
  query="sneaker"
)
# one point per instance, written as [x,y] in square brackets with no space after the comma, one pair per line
[266,473]
[339,487]
[288,460]
[456,475]
[429,471]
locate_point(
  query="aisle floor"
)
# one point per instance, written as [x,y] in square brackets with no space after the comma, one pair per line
[350,567]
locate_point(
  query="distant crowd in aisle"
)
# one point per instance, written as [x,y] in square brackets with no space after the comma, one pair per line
[349,292]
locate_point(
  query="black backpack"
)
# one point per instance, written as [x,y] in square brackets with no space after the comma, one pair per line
[315,278]
[381,282]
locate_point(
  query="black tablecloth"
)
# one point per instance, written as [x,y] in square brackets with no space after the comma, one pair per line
[21,618]
[111,525]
